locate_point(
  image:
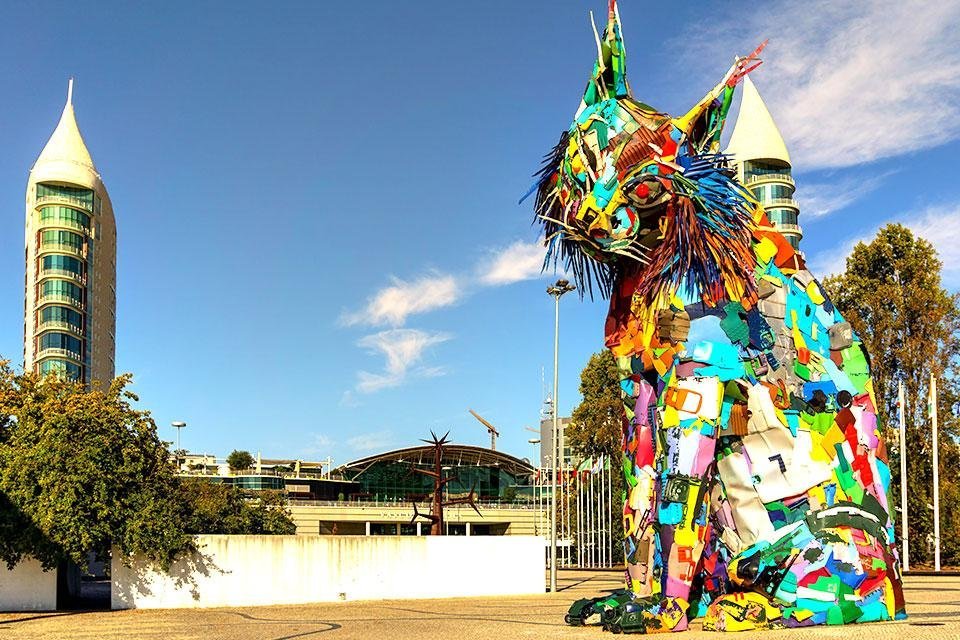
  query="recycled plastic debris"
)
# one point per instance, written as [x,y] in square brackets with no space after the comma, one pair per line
[757,478]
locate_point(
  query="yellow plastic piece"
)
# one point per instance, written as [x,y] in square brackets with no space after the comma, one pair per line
[813,291]
[765,249]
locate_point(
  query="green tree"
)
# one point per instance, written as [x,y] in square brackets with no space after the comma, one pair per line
[239,460]
[596,428]
[891,294]
[81,471]
[223,509]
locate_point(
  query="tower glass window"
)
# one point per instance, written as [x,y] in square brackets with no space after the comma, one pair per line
[54,340]
[782,216]
[63,263]
[57,213]
[57,236]
[61,368]
[84,197]
[63,288]
[66,315]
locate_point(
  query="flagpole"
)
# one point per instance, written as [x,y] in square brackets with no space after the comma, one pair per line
[936,474]
[904,518]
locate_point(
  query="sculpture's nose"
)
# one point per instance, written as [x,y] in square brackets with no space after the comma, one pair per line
[598,229]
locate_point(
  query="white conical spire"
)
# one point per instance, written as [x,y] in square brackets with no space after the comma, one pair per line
[756,136]
[66,144]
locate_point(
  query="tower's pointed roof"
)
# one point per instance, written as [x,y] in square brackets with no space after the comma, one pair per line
[756,136]
[66,144]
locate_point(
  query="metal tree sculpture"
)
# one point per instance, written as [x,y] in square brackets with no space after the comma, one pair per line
[437,503]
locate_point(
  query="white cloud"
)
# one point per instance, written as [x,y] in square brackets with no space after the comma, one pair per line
[939,225]
[403,349]
[852,82]
[820,199]
[391,305]
[519,261]
[318,443]
[376,440]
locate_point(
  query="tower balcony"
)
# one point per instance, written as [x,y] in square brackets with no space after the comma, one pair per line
[59,325]
[781,202]
[59,247]
[789,228]
[64,200]
[62,223]
[761,178]
[59,298]
[62,273]
[59,354]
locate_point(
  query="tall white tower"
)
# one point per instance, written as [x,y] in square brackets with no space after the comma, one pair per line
[763,164]
[69,319]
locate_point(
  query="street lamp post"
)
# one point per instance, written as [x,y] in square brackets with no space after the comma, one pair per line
[178,425]
[557,290]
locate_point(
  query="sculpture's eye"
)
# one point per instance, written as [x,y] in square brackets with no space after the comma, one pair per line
[644,192]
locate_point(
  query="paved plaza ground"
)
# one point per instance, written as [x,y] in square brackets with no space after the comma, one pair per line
[933,604]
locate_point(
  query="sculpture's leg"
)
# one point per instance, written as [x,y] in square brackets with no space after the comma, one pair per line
[668,469]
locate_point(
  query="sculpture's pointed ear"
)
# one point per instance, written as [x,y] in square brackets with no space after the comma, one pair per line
[703,124]
[609,78]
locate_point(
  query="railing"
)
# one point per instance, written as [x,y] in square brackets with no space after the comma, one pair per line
[781,202]
[787,228]
[58,353]
[770,177]
[82,279]
[376,504]
[59,297]
[61,247]
[51,325]
[73,202]
[58,223]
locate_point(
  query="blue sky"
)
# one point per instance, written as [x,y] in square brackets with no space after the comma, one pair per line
[320,247]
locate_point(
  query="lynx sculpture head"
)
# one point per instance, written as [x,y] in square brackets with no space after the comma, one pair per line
[630,191]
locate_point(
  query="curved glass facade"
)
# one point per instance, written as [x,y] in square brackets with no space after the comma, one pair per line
[59,213]
[390,479]
[772,191]
[84,197]
[59,236]
[63,288]
[63,263]
[66,315]
[782,216]
[55,340]
[60,368]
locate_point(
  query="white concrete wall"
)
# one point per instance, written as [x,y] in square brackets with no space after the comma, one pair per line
[27,587]
[265,570]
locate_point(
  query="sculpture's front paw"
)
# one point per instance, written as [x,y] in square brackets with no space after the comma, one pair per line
[660,616]
[596,610]
[742,612]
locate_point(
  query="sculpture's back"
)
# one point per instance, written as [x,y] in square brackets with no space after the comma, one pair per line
[756,474]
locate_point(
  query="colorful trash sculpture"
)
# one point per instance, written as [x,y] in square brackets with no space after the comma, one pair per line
[757,478]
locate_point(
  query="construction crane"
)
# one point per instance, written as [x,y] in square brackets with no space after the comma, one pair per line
[494,434]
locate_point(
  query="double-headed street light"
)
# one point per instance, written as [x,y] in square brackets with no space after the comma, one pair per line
[557,290]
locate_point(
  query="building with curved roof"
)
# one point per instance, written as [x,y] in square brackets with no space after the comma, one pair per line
[390,476]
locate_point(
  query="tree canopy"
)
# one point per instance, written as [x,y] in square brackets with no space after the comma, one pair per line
[596,426]
[239,460]
[83,470]
[891,293]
